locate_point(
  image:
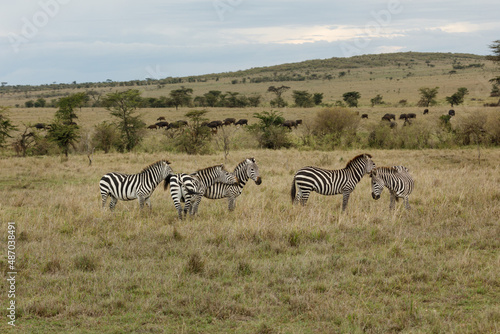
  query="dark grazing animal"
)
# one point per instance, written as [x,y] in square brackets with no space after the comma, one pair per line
[161,118]
[229,121]
[364,116]
[426,111]
[451,112]
[289,124]
[412,115]
[241,122]
[153,127]
[330,182]
[162,124]
[403,116]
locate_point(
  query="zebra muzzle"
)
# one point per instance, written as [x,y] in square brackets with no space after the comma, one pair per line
[375,196]
[259,181]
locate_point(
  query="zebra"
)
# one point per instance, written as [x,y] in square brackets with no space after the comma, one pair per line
[191,187]
[397,179]
[330,182]
[128,187]
[247,169]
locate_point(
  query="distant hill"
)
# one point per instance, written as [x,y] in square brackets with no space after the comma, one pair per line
[395,76]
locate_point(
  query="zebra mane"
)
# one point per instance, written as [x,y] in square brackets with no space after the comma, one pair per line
[391,170]
[356,158]
[243,163]
[209,168]
[154,164]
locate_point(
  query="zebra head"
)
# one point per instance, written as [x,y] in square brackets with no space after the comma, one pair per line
[165,169]
[370,165]
[253,171]
[377,184]
[223,176]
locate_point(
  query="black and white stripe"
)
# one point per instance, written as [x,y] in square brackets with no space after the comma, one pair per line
[397,179]
[189,188]
[330,182]
[128,187]
[245,170]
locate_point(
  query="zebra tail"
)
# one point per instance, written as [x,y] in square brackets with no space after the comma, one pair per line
[293,190]
[167,182]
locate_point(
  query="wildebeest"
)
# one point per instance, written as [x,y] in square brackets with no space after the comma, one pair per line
[289,123]
[364,116]
[388,117]
[242,122]
[40,126]
[411,115]
[161,118]
[162,124]
[176,125]
[229,121]
[403,116]
[451,112]
[214,124]
[153,127]
[426,111]
[298,121]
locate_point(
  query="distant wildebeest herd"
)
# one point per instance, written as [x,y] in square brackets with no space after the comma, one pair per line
[391,118]
[217,183]
[215,125]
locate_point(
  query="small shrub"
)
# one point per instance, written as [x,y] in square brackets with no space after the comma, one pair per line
[195,264]
[106,137]
[244,269]
[333,124]
[51,267]
[85,263]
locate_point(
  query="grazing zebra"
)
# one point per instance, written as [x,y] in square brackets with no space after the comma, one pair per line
[396,179]
[247,169]
[189,188]
[330,182]
[127,187]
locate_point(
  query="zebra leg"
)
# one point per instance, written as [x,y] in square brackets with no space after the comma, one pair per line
[148,202]
[393,202]
[177,202]
[407,203]
[112,203]
[196,199]
[104,199]
[141,201]
[232,203]
[345,200]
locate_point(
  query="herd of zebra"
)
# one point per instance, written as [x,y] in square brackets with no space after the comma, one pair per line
[216,183]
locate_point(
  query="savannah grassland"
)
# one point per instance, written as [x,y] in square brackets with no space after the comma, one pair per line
[267,267]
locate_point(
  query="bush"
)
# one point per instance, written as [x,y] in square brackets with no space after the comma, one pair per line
[333,126]
[106,137]
[269,131]
[472,130]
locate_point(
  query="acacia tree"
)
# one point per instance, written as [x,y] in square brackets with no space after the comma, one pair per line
[303,99]
[351,98]
[5,127]
[427,96]
[123,105]
[495,48]
[458,97]
[180,97]
[278,101]
[63,130]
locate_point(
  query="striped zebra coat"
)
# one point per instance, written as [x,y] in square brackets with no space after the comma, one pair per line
[189,188]
[330,182]
[397,179]
[245,170]
[128,187]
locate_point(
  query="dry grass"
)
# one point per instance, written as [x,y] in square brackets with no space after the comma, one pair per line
[267,267]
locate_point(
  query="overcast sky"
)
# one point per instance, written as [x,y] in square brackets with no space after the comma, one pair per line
[62,41]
